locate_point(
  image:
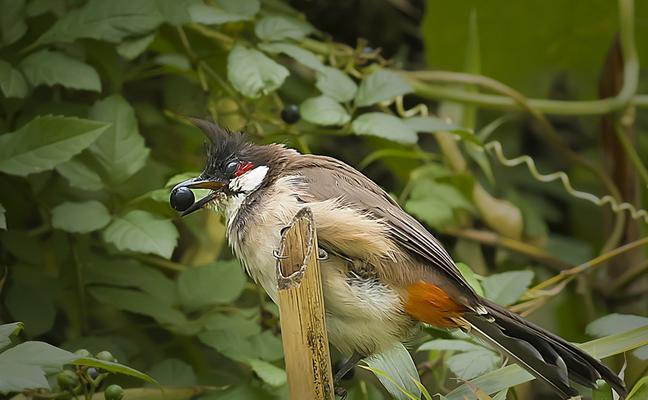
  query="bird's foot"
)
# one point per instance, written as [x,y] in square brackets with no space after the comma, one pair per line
[341,392]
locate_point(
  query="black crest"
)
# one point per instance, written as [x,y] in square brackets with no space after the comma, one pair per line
[222,142]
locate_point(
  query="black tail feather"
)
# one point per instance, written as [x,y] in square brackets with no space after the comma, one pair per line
[545,355]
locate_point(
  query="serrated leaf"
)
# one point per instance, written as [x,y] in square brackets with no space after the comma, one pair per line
[3,218]
[224,11]
[385,126]
[298,54]
[7,331]
[121,151]
[55,68]
[323,110]
[175,12]
[139,303]
[113,367]
[12,82]
[45,142]
[270,374]
[12,21]
[80,175]
[252,73]
[131,48]
[215,283]
[380,86]
[335,84]
[143,232]
[505,288]
[80,217]
[277,27]
[111,21]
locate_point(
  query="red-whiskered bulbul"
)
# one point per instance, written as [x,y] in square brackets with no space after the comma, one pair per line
[384,272]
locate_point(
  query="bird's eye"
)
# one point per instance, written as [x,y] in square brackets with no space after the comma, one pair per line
[231,167]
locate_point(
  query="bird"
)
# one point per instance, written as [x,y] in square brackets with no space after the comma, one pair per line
[384,274]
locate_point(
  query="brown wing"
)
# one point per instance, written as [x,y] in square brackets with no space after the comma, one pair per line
[329,178]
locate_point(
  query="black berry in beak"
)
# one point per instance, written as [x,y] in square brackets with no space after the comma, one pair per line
[181,198]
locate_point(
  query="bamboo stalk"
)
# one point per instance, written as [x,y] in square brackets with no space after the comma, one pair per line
[301,308]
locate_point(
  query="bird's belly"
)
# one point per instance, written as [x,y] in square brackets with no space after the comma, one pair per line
[362,315]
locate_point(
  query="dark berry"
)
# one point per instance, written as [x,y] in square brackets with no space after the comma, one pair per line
[92,373]
[182,198]
[290,114]
[105,356]
[67,379]
[338,366]
[114,392]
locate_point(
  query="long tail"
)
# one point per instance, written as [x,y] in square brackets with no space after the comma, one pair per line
[548,357]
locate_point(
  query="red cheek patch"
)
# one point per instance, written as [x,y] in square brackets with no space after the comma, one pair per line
[243,168]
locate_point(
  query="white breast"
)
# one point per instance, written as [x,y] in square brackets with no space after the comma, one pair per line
[361,316]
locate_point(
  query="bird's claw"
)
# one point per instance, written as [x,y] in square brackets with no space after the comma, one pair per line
[341,392]
[275,254]
[322,255]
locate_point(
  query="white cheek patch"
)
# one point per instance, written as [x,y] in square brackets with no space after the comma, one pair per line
[249,181]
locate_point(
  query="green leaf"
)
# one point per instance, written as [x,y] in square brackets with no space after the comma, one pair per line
[7,331]
[603,391]
[505,288]
[233,323]
[3,217]
[471,364]
[396,370]
[298,54]
[173,373]
[434,203]
[38,354]
[80,175]
[149,280]
[45,142]
[121,151]
[12,82]
[215,283]
[175,12]
[252,73]
[323,110]
[385,126]
[273,376]
[143,232]
[616,323]
[55,68]
[380,86]
[470,277]
[12,21]
[450,345]
[132,48]
[111,21]
[277,27]
[640,390]
[267,346]
[335,84]
[80,217]
[224,11]
[18,377]
[114,367]
[139,303]
[435,124]
[29,282]
[512,375]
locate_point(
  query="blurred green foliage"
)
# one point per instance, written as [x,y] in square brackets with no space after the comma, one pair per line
[93,96]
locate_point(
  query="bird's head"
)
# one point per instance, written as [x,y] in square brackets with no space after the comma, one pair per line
[234,168]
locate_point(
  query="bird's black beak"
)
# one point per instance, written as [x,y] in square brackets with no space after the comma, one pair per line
[214,185]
